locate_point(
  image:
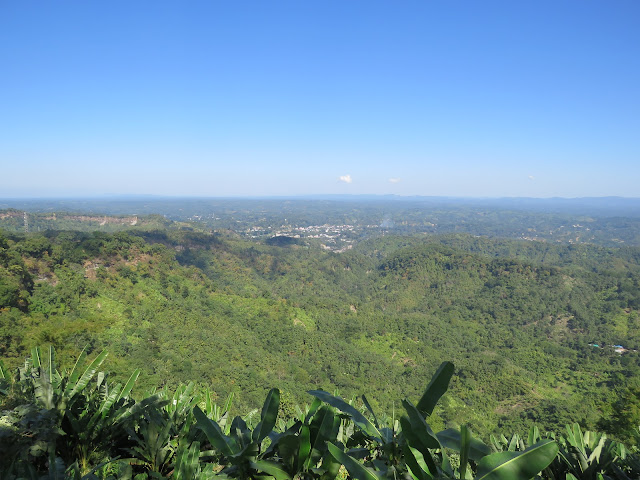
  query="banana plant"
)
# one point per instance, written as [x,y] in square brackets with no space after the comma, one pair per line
[590,455]
[423,451]
[384,450]
[53,396]
[243,449]
[188,465]
[80,420]
[166,434]
[5,380]
[50,389]
[302,448]
[153,450]
[503,444]
[100,419]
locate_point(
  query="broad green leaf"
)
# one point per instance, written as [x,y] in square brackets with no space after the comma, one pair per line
[86,377]
[212,430]
[513,444]
[437,387]
[450,438]
[4,380]
[276,443]
[35,357]
[44,393]
[129,385]
[357,417]
[288,446]
[208,402]
[323,430]
[268,416]
[578,439]
[420,426]
[240,432]
[187,462]
[366,404]
[271,468]
[534,435]
[52,363]
[134,410]
[446,464]
[305,446]
[108,401]
[321,426]
[331,466]
[517,465]
[597,451]
[100,380]
[575,439]
[75,373]
[183,399]
[354,467]
[465,446]
[415,462]
[494,442]
[414,439]
[227,404]
[315,405]
[248,453]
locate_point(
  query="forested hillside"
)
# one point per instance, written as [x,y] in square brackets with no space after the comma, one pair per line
[519,319]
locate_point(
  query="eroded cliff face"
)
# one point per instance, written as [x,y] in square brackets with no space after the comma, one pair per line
[10,214]
[101,219]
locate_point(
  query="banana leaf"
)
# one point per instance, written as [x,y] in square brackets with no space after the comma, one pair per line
[517,465]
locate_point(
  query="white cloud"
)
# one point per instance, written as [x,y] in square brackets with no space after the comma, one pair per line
[394,180]
[345,178]
[531,177]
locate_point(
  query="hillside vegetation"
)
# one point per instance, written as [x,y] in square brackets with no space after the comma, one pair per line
[78,425]
[519,319]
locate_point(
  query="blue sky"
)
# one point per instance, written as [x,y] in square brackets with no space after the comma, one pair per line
[213,98]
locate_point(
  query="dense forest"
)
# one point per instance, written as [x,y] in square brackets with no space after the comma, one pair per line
[521,320]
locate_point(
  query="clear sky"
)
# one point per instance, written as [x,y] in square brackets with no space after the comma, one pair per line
[218,98]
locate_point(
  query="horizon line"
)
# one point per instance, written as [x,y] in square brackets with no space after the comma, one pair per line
[108,196]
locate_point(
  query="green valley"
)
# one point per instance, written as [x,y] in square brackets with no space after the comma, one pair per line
[519,319]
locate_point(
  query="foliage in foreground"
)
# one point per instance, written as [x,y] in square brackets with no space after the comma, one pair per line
[78,425]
